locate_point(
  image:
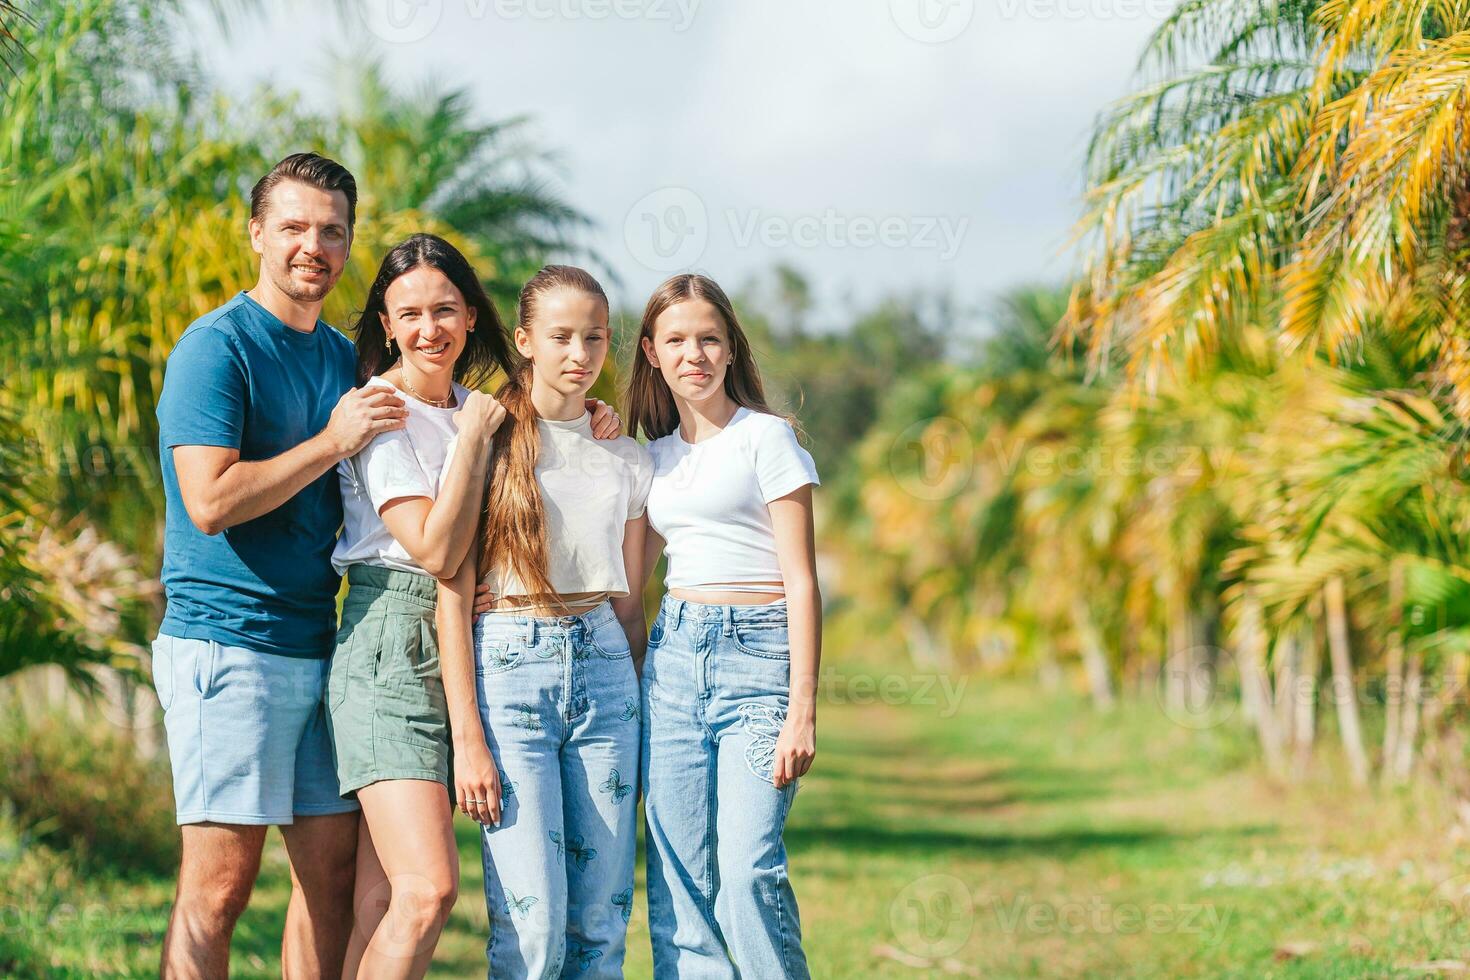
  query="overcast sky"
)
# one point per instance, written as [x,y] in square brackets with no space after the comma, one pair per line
[877,145]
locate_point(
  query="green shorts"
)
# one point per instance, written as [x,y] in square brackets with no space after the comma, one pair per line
[386,710]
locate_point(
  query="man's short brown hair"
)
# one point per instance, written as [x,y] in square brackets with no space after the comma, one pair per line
[309,168]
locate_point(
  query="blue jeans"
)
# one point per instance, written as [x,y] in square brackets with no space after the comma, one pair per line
[559,703]
[715,690]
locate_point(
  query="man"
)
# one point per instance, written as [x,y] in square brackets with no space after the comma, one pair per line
[258,407]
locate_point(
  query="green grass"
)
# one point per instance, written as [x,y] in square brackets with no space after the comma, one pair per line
[1021,835]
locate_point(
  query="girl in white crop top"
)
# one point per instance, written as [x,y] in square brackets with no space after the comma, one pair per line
[545,728]
[731,507]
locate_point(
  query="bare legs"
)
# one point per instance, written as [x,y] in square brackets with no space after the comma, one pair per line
[407,878]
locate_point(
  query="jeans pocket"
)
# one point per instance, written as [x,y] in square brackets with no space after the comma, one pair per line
[769,642]
[656,631]
[609,640]
[495,657]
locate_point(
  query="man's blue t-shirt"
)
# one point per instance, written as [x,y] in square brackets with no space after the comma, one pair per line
[242,379]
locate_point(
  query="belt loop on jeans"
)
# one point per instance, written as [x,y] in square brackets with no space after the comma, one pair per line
[676,610]
[728,615]
[530,631]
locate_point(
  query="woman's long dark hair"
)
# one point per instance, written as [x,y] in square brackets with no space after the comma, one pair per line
[486,347]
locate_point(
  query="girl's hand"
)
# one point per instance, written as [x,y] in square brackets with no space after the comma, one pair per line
[480,414]
[477,784]
[605,422]
[796,747]
[484,601]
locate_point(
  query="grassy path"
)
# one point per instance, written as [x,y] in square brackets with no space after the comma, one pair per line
[1017,836]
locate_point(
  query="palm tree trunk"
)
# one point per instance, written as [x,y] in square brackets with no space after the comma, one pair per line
[1394,682]
[1286,661]
[1344,694]
[1094,660]
[1304,701]
[1403,758]
[1176,665]
[1255,684]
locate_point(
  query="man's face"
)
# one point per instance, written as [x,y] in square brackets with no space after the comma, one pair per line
[302,239]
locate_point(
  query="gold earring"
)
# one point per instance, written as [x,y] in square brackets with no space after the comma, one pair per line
[388,342]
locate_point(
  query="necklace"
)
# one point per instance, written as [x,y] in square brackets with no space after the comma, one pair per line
[436,402]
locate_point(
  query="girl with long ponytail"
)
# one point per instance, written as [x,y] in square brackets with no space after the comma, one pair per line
[546,730]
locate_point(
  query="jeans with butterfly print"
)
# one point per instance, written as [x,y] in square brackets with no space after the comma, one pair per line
[559,701]
[716,686]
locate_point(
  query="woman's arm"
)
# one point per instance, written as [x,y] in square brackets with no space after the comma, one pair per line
[629,608]
[437,533]
[475,775]
[791,519]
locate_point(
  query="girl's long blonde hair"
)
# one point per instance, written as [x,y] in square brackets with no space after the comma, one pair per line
[513,524]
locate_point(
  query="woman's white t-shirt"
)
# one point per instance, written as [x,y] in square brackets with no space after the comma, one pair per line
[708,500]
[405,462]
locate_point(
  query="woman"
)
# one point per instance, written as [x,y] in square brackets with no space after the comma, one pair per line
[409,516]
[729,714]
[546,728]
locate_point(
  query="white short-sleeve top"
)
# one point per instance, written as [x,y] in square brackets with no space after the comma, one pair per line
[590,489]
[405,462]
[708,500]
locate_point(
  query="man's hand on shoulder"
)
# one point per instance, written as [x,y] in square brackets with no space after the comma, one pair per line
[361,414]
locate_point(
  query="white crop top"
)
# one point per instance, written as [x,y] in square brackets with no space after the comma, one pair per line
[407,462]
[590,488]
[708,500]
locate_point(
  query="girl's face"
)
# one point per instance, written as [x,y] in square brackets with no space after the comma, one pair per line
[690,349]
[567,341]
[429,318]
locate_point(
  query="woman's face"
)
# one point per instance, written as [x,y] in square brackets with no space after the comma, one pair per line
[567,341]
[690,349]
[428,316]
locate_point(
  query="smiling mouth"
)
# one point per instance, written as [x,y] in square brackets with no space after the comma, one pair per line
[434,350]
[315,270]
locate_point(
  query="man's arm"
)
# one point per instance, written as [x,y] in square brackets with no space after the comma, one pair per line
[220,491]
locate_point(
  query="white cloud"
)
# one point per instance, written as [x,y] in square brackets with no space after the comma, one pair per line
[781,115]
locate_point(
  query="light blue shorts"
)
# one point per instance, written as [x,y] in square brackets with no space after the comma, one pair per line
[247,733]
